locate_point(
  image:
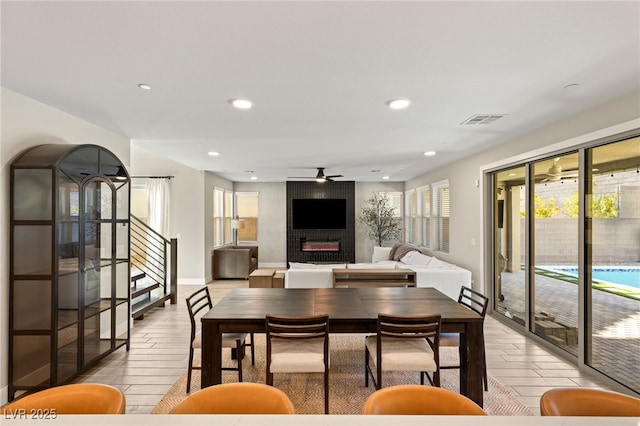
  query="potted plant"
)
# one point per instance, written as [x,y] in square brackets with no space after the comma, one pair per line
[380,219]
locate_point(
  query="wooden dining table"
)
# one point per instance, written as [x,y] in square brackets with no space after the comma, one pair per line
[350,310]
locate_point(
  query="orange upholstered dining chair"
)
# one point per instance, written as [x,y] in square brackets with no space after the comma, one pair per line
[236,398]
[588,402]
[420,400]
[80,398]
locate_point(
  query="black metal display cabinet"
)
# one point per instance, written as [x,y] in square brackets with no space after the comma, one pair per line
[69,263]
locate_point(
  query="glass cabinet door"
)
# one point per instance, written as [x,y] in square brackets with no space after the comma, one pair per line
[99,262]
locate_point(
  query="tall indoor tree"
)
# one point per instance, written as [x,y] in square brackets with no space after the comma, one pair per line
[380,219]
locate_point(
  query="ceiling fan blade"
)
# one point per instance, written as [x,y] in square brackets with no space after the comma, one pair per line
[320,176]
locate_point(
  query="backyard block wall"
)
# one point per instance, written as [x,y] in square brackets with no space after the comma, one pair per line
[615,241]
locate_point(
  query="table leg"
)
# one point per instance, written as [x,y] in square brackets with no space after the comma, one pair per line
[471,362]
[211,354]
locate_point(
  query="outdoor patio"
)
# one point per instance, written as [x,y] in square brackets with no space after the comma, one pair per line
[615,322]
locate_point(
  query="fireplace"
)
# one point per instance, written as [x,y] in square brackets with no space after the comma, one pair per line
[335,244]
[314,245]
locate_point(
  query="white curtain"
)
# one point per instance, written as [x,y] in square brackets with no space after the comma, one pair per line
[158,195]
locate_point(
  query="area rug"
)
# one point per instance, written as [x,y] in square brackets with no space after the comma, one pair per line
[347,392]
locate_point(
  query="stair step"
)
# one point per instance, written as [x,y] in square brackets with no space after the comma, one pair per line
[140,289]
[140,308]
[137,275]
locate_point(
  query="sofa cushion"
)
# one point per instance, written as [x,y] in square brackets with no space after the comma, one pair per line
[380,254]
[385,264]
[437,263]
[416,258]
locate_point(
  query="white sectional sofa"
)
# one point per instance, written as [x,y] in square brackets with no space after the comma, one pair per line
[430,271]
[310,275]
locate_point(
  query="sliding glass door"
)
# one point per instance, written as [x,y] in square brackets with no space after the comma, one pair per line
[554,238]
[566,253]
[509,249]
[613,232]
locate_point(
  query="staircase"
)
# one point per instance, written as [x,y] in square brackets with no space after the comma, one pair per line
[153,269]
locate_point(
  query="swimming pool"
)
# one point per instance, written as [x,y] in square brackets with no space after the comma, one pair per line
[629,276]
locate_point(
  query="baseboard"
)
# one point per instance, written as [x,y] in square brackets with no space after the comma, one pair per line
[191,281]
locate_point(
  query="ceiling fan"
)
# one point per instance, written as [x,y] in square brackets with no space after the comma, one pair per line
[319,177]
[555,172]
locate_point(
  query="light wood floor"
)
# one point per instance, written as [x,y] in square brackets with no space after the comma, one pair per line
[160,342]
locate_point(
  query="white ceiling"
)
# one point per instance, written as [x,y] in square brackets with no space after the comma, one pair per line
[319,74]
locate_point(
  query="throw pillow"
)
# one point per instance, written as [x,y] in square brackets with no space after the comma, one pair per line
[381,253]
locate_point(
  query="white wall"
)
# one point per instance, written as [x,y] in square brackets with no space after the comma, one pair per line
[187,211]
[27,123]
[466,198]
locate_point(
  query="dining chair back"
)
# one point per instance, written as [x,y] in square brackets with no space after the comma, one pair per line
[236,398]
[478,303]
[404,344]
[420,400]
[198,304]
[298,345]
[78,398]
[588,402]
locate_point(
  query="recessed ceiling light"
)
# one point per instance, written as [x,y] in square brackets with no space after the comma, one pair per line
[213,153]
[430,153]
[385,177]
[398,103]
[254,178]
[241,103]
[144,86]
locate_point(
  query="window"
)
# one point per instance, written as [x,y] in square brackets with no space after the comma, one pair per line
[395,200]
[410,211]
[441,214]
[218,215]
[426,216]
[222,215]
[228,215]
[247,214]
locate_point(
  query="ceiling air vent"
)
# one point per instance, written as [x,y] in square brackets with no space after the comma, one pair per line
[482,119]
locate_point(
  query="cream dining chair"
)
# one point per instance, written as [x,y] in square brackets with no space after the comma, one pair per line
[298,345]
[403,344]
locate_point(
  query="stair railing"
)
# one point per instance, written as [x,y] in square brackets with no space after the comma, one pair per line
[155,255]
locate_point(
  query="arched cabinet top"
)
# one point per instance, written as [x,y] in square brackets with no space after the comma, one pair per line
[76,161]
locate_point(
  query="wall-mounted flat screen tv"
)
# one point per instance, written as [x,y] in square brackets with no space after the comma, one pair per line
[319,213]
